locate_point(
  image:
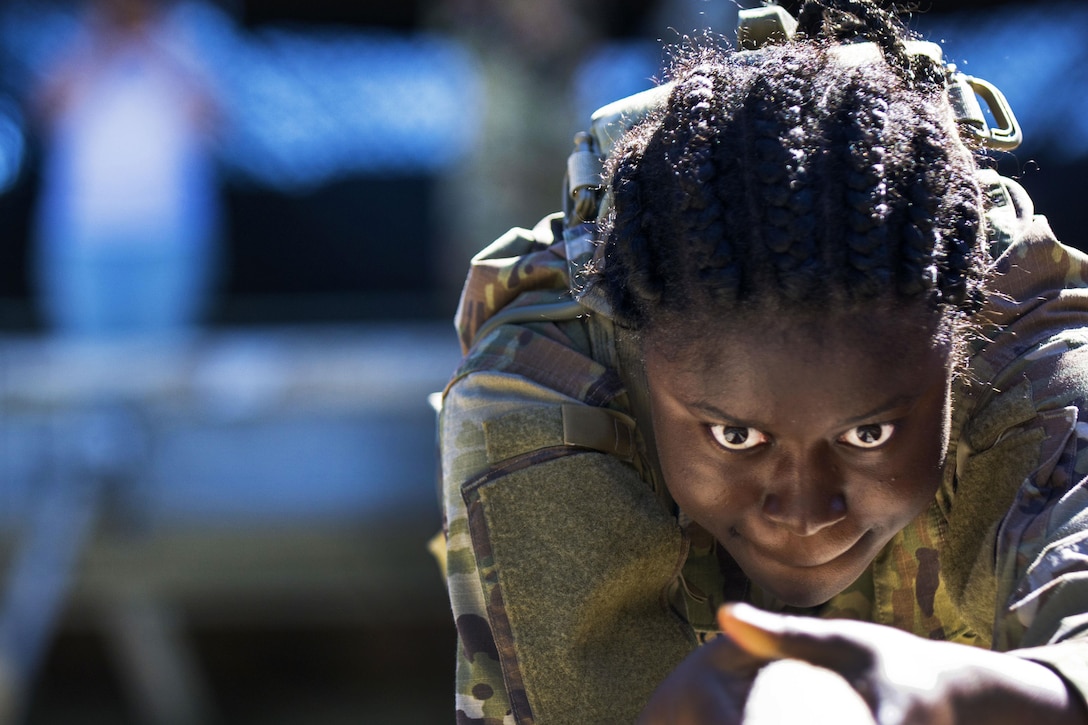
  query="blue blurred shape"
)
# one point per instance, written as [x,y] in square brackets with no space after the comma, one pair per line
[1036,55]
[307,109]
[305,106]
[12,143]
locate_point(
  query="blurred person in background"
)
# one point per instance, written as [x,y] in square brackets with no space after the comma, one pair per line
[125,232]
[526,52]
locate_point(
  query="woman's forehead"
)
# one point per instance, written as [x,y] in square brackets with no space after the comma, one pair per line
[857,341]
[820,376]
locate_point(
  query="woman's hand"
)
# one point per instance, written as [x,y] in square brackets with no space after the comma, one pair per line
[903,679]
[724,684]
[711,685]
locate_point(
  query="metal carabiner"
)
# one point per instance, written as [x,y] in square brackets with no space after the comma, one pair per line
[964,92]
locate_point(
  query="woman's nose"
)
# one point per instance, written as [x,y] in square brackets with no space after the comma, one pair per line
[805,503]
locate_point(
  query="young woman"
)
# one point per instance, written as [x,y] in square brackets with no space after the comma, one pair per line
[817,361]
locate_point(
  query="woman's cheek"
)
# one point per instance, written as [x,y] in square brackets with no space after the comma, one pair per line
[699,485]
[684,477]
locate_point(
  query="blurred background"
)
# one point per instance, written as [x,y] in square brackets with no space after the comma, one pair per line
[233,236]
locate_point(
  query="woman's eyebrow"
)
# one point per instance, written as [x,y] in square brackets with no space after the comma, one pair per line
[713,411]
[902,400]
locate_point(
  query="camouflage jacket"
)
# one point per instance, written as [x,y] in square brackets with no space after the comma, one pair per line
[577,585]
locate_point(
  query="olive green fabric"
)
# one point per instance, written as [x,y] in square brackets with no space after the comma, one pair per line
[583,604]
[987,483]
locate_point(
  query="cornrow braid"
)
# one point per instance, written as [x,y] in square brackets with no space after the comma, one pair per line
[923,248]
[780,202]
[720,262]
[685,154]
[697,171]
[872,250]
[637,263]
[960,286]
[792,178]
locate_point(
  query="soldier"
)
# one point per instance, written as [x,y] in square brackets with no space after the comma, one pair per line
[815,360]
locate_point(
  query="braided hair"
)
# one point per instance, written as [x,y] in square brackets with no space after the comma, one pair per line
[788,179]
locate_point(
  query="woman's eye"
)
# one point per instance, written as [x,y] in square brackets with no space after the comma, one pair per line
[737,438]
[871,435]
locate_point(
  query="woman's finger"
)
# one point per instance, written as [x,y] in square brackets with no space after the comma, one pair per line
[828,645]
[837,645]
[754,631]
[793,691]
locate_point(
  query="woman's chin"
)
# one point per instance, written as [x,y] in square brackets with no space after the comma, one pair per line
[807,589]
[802,597]
[805,583]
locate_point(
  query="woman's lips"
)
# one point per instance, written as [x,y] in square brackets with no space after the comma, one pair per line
[797,553]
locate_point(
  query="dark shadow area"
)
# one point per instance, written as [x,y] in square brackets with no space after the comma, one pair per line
[356,249]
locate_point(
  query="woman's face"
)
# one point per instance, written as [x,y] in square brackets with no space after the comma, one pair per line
[803,447]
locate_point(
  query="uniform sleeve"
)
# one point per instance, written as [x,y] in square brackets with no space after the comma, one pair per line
[1034,422]
[559,553]
[560,559]
[1043,542]
[481,694]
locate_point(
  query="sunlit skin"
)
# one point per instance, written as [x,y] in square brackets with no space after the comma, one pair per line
[901,679]
[802,445]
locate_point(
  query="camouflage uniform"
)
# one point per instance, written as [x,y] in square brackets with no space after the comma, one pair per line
[577,585]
